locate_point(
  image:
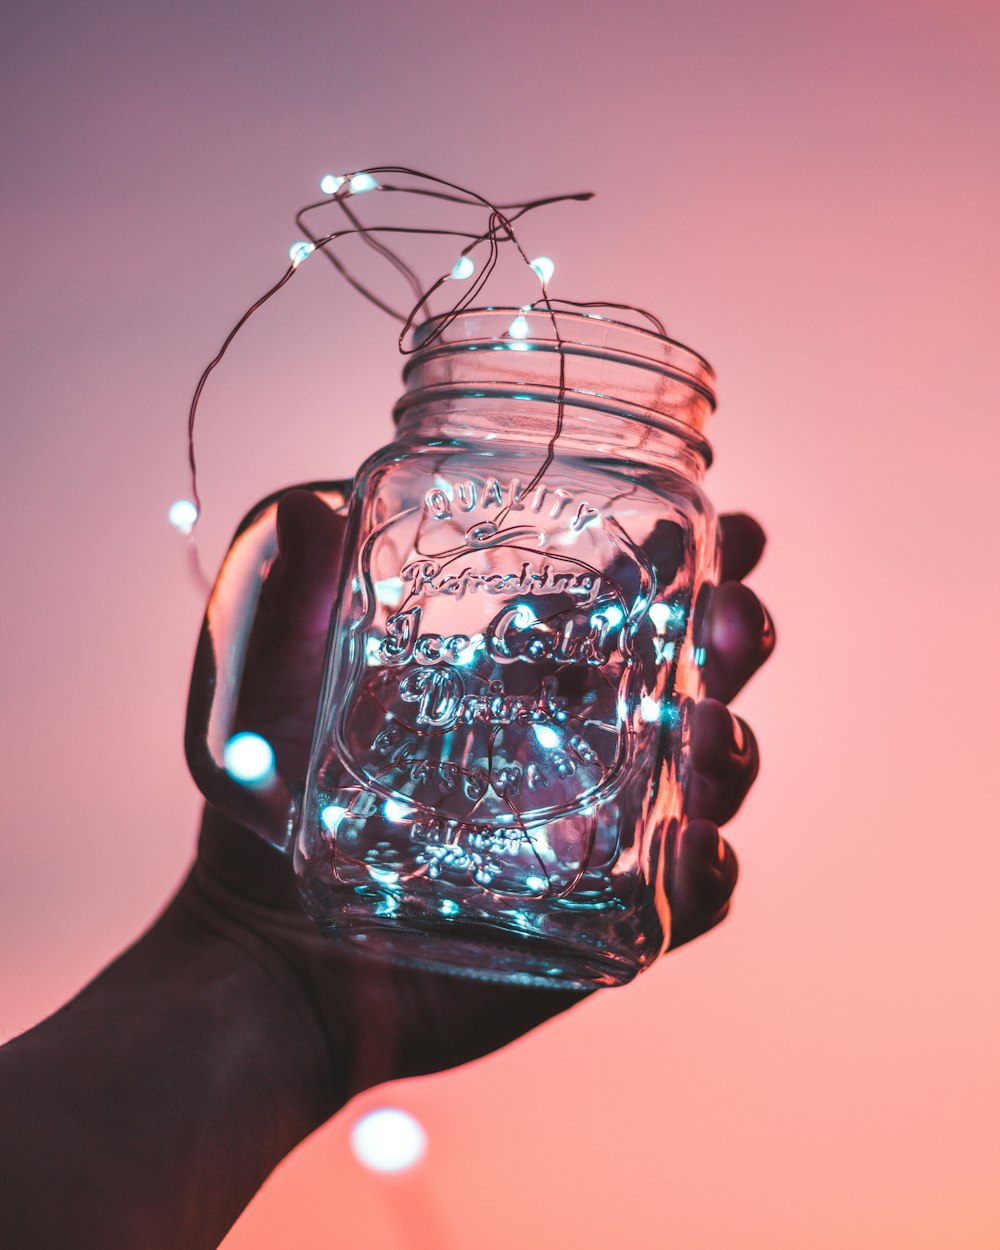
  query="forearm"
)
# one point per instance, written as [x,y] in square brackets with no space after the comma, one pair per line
[148,1111]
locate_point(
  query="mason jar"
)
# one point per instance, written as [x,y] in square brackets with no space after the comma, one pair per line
[501,743]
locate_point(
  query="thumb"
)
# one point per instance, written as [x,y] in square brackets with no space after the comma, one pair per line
[284,660]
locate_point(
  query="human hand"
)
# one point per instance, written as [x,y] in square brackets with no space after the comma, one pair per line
[378,1021]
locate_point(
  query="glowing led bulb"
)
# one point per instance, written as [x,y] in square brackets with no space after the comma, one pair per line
[389,590]
[519,328]
[546,736]
[464,267]
[182,515]
[331,816]
[612,615]
[299,251]
[363,182]
[396,811]
[664,614]
[249,758]
[329,184]
[649,709]
[444,485]
[388,1140]
[545,268]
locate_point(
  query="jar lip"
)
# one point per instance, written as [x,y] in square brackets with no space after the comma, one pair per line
[591,402]
[584,329]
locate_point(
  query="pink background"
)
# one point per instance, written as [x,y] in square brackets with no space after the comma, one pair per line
[806,192]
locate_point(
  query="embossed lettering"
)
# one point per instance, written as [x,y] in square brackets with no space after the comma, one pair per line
[468,495]
[507,641]
[438,693]
[427,577]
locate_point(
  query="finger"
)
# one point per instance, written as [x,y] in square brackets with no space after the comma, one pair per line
[293,612]
[740,638]
[301,586]
[284,661]
[703,876]
[725,762]
[742,545]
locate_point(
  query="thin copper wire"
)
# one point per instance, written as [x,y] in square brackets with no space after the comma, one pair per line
[500,229]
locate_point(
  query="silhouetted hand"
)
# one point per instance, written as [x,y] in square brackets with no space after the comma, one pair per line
[148,1110]
[378,1021]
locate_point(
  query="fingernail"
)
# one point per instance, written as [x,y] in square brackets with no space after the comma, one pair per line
[739,738]
[766,630]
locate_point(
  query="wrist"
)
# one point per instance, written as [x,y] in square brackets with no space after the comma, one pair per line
[255,988]
[164,1093]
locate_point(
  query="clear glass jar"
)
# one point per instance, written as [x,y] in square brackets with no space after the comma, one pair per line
[501,742]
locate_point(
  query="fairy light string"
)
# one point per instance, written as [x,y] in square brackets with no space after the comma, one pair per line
[476,262]
[500,229]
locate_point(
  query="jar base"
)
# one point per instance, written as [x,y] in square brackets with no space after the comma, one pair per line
[485,953]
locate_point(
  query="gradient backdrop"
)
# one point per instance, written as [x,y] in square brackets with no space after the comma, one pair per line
[808,193]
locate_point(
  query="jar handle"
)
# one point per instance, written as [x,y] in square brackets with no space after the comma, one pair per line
[266,802]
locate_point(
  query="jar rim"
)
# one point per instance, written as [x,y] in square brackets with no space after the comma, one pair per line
[583,329]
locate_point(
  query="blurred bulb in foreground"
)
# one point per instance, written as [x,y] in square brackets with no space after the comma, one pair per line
[249,759]
[388,1140]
